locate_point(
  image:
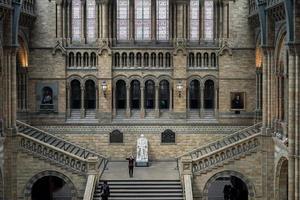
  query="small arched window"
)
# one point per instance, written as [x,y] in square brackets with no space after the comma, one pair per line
[139,59]
[78,59]
[93,60]
[206,60]
[71,59]
[117,59]
[153,60]
[191,59]
[168,137]
[160,60]
[168,60]
[116,137]
[85,59]
[213,60]
[124,59]
[146,59]
[198,60]
[131,59]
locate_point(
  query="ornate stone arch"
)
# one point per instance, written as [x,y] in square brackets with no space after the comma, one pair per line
[149,77]
[277,176]
[74,77]
[210,77]
[249,184]
[35,178]
[135,77]
[120,77]
[194,77]
[165,77]
[90,77]
[279,43]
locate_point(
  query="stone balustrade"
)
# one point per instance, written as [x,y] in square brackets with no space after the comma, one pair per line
[28,7]
[221,155]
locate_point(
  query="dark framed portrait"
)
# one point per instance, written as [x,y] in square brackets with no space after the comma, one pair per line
[237,100]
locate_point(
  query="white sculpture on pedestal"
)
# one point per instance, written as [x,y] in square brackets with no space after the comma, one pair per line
[142,151]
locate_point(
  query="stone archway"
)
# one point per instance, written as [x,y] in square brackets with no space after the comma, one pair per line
[59,183]
[281,184]
[237,177]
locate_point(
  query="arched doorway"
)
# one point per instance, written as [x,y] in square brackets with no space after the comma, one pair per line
[75,94]
[90,95]
[50,188]
[149,94]
[209,94]
[135,94]
[228,187]
[164,94]
[121,94]
[194,94]
[283,181]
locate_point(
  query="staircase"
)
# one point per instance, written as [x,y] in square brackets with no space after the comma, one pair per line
[225,150]
[208,116]
[89,118]
[57,150]
[143,190]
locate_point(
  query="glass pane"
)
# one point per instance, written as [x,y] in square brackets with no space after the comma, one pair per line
[162,23]
[142,19]
[194,19]
[76,20]
[122,19]
[209,19]
[91,20]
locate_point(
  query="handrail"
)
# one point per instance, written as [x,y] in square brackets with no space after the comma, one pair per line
[218,142]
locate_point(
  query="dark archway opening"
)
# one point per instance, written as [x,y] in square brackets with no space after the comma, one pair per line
[75,94]
[283,181]
[121,94]
[209,94]
[149,94]
[135,94]
[90,95]
[228,188]
[50,188]
[194,92]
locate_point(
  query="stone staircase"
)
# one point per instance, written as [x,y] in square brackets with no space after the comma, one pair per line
[89,118]
[218,153]
[208,116]
[143,190]
[57,150]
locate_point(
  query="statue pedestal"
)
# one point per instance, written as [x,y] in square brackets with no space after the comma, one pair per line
[142,152]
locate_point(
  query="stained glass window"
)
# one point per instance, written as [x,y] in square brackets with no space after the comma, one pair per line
[162,17]
[194,19]
[122,19]
[142,19]
[91,20]
[209,19]
[76,20]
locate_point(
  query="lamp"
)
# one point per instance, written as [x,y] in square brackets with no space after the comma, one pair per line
[104,88]
[179,87]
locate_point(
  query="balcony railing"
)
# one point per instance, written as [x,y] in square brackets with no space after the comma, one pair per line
[28,7]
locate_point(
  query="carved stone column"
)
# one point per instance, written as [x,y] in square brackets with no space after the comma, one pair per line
[128,110]
[201,100]
[171,99]
[157,101]
[114,101]
[142,102]
[265,88]
[68,100]
[216,102]
[82,110]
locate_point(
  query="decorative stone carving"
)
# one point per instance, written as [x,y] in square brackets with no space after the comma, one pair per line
[142,152]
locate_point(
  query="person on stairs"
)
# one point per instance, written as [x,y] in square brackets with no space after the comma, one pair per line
[130,165]
[104,190]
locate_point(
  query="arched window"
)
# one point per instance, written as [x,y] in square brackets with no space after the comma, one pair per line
[120,94]
[146,59]
[168,60]
[139,59]
[213,60]
[93,60]
[149,94]
[142,19]
[122,19]
[90,95]
[71,59]
[194,19]
[209,94]
[206,60]
[209,19]
[91,20]
[76,20]
[160,60]
[168,137]
[198,60]
[124,59]
[194,94]
[117,59]
[75,94]
[131,59]
[164,94]
[162,19]
[135,94]
[78,59]
[85,59]
[191,59]
[116,137]
[153,60]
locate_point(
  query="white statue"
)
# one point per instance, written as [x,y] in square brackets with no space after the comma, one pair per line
[142,151]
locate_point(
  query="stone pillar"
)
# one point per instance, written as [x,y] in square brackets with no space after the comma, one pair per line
[97,100]
[63,13]
[82,110]
[291,125]
[180,22]
[142,102]
[265,89]
[216,102]
[59,19]
[225,19]
[128,110]
[201,100]
[68,100]
[114,101]
[270,60]
[82,21]
[157,101]
[68,21]
[171,98]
